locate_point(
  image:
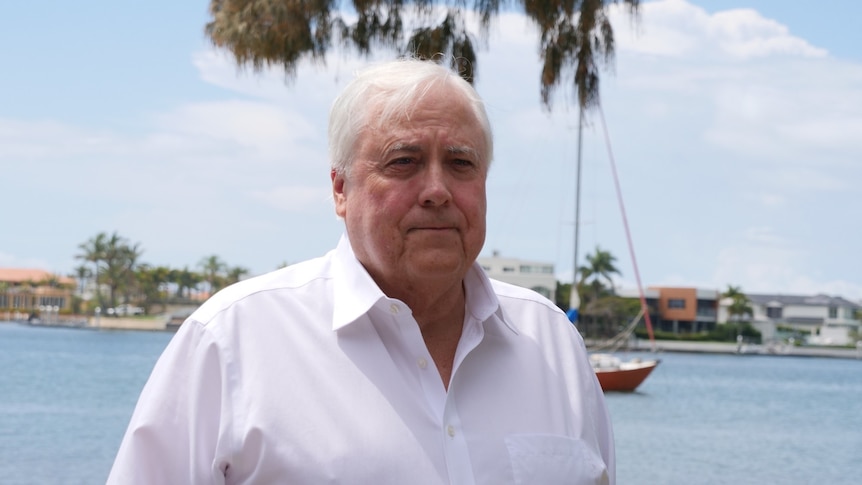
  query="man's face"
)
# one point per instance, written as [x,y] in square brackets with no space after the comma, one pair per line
[414,200]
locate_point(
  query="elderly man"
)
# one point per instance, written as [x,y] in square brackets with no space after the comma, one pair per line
[393,359]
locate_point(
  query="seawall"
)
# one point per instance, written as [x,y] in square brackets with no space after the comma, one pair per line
[745,349]
[120,323]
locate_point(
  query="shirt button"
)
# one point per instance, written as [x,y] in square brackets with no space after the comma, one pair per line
[450,430]
[393,308]
[422,363]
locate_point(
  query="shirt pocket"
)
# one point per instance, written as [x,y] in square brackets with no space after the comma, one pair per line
[550,459]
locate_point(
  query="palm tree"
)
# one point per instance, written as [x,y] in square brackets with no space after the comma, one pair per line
[151,283]
[93,251]
[574,36]
[185,280]
[120,259]
[82,274]
[211,271]
[599,268]
[740,305]
[235,274]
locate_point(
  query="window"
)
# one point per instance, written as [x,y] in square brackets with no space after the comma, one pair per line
[833,312]
[773,312]
[542,269]
[678,303]
[508,269]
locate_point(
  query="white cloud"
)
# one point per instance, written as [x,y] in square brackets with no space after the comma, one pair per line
[745,34]
[36,140]
[677,28]
[258,131]
[12,261]
[760,268]
[764,235]
[769,200]
[294,199]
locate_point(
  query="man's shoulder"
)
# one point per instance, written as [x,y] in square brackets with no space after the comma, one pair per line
[287,281]
[529,312]
[511,294]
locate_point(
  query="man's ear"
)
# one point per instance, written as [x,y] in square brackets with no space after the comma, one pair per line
[338,193]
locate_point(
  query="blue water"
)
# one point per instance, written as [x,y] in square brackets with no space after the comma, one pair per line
[66,396]
[719,419]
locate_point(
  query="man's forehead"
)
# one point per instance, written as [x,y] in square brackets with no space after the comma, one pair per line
[399,126]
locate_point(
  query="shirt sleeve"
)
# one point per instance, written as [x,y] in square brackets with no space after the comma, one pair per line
[175,429]
[598,413]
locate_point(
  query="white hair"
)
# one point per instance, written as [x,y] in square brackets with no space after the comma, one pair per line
[389,91]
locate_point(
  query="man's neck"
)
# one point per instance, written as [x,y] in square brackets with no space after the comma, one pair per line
[440,316]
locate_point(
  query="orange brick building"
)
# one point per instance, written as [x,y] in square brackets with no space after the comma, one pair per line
[680,309]
[687,310]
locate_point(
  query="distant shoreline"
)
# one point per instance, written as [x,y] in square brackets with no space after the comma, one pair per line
[99,323]
[743,349]
[162,325]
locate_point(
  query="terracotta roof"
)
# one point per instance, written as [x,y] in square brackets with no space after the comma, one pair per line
[23,275]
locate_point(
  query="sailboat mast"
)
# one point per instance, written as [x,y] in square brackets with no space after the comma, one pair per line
[574,305]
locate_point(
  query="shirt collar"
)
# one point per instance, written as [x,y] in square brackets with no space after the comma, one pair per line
[355,292]
[482,302]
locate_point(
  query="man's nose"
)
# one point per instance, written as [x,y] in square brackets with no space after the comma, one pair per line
[435,186]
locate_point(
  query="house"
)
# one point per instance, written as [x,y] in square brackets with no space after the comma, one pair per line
[535,275]
[829,320]
[27,291]
[679,309]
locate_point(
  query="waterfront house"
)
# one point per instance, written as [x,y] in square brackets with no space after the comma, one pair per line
[679,309]
[535,275]
[828,320]
[24,292]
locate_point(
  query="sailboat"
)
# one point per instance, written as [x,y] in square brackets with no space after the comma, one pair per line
[613,374]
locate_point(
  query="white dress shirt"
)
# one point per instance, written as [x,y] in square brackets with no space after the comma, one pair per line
[311,375]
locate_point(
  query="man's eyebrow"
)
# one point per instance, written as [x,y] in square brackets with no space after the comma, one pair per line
[402,147]
[470,152]
[463,150]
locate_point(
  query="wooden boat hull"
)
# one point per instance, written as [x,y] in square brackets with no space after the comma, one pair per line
[625,378]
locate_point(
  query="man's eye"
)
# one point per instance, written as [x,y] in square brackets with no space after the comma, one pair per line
[463,163]
[401,166]
[401,161]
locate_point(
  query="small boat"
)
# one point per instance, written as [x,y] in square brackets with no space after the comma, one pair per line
[613,373]
[616,375]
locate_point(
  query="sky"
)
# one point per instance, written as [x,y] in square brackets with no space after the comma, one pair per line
[735,128]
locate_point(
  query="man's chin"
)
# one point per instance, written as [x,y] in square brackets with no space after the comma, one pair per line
[435,262]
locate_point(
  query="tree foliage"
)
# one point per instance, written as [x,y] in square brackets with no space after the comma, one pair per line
[575,36]
[114,260]
[598,270]
[116,266]
[740,305]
